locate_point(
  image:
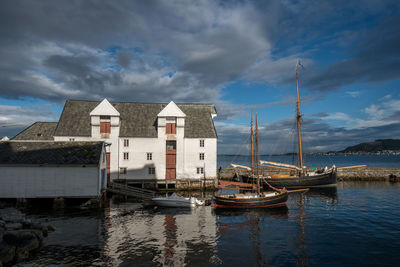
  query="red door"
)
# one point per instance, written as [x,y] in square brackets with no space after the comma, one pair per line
[170,172]
[108,167]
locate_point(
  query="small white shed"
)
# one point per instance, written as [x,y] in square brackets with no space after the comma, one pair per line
[48,169]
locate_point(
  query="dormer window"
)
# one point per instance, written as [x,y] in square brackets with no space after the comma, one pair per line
[171,117]
[105,126]
[170,128]
[170,125]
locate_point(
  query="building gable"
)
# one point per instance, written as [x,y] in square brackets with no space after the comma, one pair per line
[104,108]
[171,110]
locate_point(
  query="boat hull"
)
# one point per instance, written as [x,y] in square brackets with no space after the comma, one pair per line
[296,182]
[229,201]
[163,202]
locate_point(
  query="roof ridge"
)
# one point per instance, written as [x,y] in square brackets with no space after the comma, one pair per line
[133,102]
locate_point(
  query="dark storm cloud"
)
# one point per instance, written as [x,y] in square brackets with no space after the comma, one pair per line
[317,136]
[77,48]
[208,43]
[378,60]
[70,65]
[123,59]
[156,51]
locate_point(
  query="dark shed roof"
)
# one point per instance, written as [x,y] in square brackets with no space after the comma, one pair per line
[50,152]
[37,131]
[137,119]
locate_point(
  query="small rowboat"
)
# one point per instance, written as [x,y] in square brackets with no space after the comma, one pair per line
[177,201]
[252,200]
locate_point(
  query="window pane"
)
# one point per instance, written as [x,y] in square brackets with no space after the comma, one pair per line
[171,145]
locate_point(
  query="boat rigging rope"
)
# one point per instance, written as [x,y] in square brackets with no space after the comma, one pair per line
[240,148]
[274,188]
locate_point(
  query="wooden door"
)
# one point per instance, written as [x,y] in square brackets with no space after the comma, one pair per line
[170,172]
[108,167]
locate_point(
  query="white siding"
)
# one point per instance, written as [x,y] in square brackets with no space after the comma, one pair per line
[187,153]
[138,164]
[187,158]
[113,148]
[52,181]
[192,158]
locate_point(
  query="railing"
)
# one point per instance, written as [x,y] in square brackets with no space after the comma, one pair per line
[130,191]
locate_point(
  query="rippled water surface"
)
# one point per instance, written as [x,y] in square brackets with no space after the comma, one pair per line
[355,224]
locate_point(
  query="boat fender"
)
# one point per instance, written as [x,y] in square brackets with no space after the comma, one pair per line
[200,202]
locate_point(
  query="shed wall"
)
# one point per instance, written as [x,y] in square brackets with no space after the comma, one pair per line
[51,181]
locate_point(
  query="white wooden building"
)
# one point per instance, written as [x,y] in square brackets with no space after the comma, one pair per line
[147,141]
[48,169]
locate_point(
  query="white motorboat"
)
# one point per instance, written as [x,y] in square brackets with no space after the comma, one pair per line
[177,201]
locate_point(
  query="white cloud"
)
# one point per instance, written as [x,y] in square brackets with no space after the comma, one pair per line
[375,112]
[353,94]
[25,115]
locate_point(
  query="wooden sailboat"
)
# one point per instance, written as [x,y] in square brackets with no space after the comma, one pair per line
[299,176]
[258,199]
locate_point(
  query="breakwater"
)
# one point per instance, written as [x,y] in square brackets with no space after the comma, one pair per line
[356,174]
[20,237]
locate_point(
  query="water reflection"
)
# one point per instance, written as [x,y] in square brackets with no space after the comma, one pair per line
[302,255]
[326,194]
[171,237]
[252,224]
[314,229]
[280,212]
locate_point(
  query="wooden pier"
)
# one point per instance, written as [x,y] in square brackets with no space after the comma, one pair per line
[173,184]
[130,191]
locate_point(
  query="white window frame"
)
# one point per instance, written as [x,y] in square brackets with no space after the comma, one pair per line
[201,156]
[202,142]
[126,155]
[126,142]
[152,170]
[200,170]
[149,156]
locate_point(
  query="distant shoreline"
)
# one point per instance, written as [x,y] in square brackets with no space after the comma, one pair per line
[380,153]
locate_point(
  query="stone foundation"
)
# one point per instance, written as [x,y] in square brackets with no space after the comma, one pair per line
[356,174]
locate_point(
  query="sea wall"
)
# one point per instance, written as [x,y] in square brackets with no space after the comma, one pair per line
[356,174]
[20,237]
[369,174]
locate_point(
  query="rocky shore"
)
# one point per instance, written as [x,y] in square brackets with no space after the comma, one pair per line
[20,237]
[357,174]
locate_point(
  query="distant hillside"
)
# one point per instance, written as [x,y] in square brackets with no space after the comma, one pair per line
[375,146]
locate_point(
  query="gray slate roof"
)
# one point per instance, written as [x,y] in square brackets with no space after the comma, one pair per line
[137,119]
[37,131]
[56,153]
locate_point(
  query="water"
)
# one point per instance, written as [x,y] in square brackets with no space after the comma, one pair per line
[355,224]
[372,161]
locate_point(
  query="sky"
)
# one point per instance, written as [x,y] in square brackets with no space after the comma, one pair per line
[234,54]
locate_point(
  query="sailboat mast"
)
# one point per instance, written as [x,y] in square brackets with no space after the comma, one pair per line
[298,117]
[258,177]
[252,142]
